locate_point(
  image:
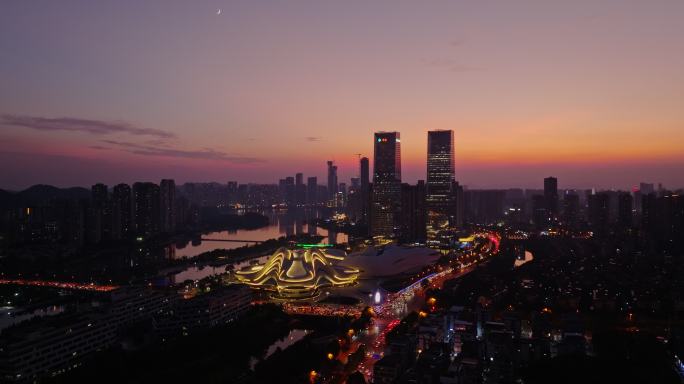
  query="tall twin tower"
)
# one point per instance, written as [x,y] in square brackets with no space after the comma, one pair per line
[440,194]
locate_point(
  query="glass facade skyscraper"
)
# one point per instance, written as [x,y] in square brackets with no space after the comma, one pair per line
[440,181]
[386,198]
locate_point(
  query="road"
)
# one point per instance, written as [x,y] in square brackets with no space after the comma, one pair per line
[374,339]
[410,299]
[60,284]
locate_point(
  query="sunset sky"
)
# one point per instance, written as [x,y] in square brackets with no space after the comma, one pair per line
[119,91]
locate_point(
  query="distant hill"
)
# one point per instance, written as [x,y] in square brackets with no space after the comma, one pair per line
[7,199]
[41,194]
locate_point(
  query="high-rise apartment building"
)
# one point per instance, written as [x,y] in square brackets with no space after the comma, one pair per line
[167,196]
[146,207]
[121,211]
[97,216]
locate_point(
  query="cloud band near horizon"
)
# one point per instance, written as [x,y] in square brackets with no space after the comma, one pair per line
[96,127]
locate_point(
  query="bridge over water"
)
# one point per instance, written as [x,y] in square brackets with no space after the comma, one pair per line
[232,240]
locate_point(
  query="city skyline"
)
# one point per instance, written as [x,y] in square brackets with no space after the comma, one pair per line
[349,192]
[533,183]
[140,91]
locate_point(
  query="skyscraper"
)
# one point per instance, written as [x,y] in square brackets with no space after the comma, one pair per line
[413,212]
[540,215]
[290,191]
[551,196]
[364,195]
[364,173]
[167,196]
[300,189]
[343,189]
[282,190]
[121,211]
[97,217]
[571,210]
[232,190]
[312,190]
[332,180]
[99,194]
[146,208]
[459,204]
[386,184]
[440,181]
[599,212]
[646,188]
[625,213]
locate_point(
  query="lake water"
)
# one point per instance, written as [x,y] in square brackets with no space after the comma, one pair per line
[294,336]
[198,273]
[280,224]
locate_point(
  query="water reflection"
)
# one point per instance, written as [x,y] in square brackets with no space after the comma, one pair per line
[200,272]
[282,223]
[294,336]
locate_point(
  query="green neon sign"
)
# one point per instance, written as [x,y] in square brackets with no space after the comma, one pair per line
[305,245]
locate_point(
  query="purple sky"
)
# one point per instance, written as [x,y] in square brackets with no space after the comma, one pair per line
[118,91]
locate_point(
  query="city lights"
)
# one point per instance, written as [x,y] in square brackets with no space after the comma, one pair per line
[298,273]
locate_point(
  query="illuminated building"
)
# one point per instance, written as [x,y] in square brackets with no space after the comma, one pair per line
[299,273]
[440,196]
[386,184]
